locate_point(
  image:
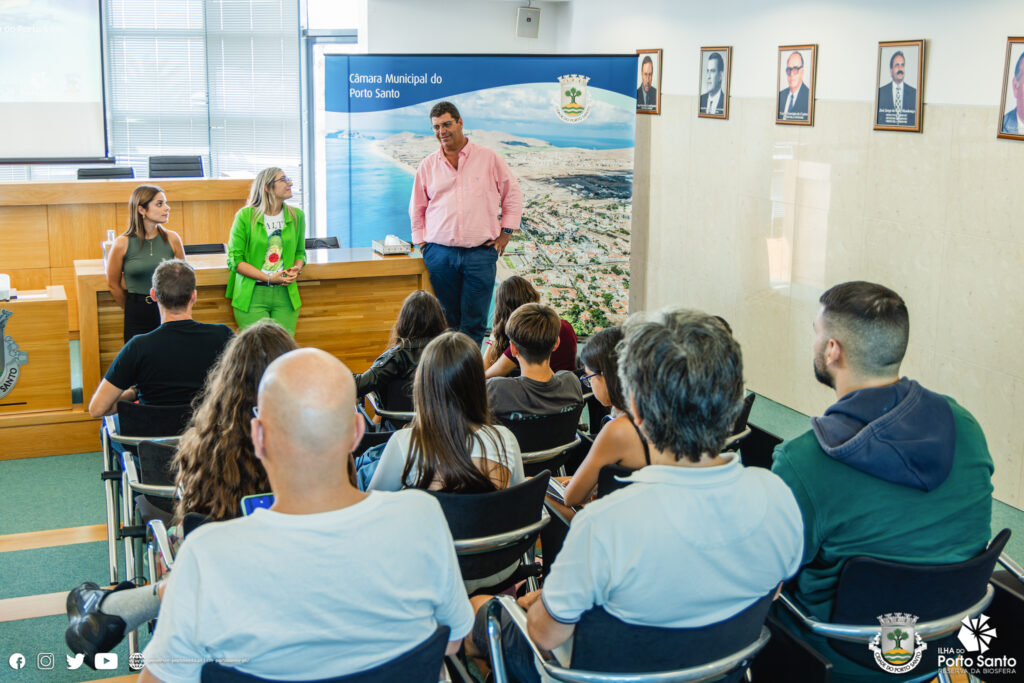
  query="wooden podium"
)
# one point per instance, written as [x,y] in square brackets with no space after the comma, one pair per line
[350,301]
[35,364]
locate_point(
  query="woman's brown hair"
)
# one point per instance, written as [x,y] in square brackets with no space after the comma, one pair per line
[421,319]
[512,293]
[215,464]
[452,415]
[141,197]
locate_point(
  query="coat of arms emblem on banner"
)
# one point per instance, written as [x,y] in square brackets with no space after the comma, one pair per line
[891,644]
[574,100]
[11,359]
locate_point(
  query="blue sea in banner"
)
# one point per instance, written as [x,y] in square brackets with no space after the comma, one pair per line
[367,192]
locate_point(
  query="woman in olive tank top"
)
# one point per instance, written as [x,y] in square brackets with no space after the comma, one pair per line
[136,254]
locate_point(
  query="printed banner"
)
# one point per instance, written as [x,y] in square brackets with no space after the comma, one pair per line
[564,124]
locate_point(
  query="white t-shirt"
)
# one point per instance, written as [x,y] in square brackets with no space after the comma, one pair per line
[273,223]
[304,597]
[678,548]
[388,476]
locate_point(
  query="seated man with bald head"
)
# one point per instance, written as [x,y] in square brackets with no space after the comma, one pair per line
[330,580]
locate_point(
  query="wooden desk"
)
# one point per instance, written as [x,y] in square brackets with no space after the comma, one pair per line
[36,323]
[350,301]
[45,227]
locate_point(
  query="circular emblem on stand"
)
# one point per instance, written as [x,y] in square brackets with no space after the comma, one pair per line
[11,359]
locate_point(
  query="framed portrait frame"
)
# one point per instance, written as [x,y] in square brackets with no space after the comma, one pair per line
[1010,121]
[795,84]
[899,86]
[715,80]
[648,99]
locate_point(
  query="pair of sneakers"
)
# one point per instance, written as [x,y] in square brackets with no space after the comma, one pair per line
[91,631]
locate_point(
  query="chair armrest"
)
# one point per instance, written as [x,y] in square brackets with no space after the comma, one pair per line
[928,630]
[483,544]
[132,477]
[553,510]
[1011,566]
[735,439]
[163,542]
[390,414]
[548,453]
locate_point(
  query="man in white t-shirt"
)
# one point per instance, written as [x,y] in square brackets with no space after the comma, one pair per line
[330,580]
[697,537]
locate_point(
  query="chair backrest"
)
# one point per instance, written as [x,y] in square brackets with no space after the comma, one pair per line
[155,469]
[212,248]
[398,396]
[421,664]
[607,482]
[190,166]
[106,172]
[869,587]
[542,437]
[137,419]
[481,515]
[605,643]
[322,243]
[741,420]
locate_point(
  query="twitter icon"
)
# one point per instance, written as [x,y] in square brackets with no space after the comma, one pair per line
[75,662]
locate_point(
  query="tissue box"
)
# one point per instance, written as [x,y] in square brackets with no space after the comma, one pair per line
[389,249]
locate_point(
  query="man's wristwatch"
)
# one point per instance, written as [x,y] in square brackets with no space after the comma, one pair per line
[507,231]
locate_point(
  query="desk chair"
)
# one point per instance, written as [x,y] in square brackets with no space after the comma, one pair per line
[545,440]
[395,407]
[941,596]
[493,530]
[608,650]
[322,243]
[189,166]
[421,664]
[136,423]
[106,172]
[213,248]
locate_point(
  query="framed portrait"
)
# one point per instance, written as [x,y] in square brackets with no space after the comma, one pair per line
[899,85]
[795,84]
[714,82]
[648,80]
[1011,109]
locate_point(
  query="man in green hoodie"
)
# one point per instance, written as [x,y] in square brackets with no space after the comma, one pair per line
[892,470]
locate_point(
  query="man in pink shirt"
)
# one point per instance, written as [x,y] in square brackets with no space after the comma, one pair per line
[465,206]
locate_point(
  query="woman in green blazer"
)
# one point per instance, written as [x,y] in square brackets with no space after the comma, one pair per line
[266,254]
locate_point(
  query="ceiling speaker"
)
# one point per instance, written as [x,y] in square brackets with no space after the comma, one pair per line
[527,22]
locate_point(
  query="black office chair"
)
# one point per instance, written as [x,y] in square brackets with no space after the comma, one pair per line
[421,664]
[322,243]
[493,530]
[608,479]
[608,650]
[190,166]
[545,440]
[395,406]
[740,429]
[940,596]
[215,248]
[106,173]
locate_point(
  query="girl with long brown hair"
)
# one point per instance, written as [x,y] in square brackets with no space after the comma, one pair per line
[451,444]
[512,293]
[215,464]
[136,254]
[420,320]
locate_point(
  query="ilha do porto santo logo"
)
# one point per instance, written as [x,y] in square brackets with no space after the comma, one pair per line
[890,644]
[574,100]
[11,359]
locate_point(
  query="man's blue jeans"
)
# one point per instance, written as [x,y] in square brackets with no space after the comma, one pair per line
[463,280]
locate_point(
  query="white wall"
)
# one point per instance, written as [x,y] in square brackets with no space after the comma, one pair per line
[459,26]
[753,220]
[964,52]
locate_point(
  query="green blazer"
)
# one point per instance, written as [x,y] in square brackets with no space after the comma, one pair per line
[248,244]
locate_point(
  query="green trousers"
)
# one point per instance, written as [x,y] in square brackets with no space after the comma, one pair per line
[269,302]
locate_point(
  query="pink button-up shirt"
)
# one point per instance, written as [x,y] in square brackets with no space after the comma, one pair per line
[460,208]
